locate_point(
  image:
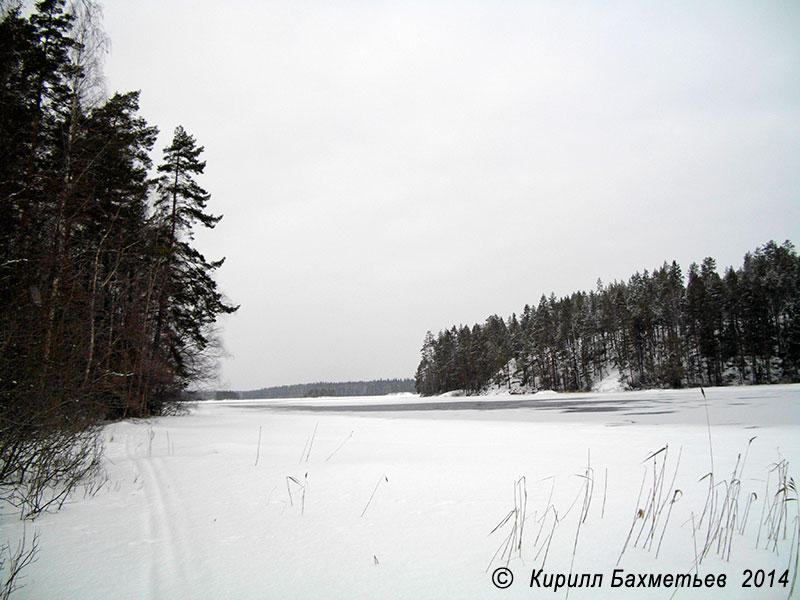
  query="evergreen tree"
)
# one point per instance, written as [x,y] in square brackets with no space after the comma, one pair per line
[117,237]
[731,343]
[189,301]
[425,382]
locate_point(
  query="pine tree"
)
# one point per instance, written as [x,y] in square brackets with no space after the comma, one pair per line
[732,347]
[425,382]
[181,201]
[116,237]
[189,301]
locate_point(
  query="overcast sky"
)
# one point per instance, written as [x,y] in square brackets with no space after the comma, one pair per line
[388,168]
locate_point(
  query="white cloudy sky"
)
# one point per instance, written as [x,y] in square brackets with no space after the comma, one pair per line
[387,168]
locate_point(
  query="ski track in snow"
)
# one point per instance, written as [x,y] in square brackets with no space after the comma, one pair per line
[172,567]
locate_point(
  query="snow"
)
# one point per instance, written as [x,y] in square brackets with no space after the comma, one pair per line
[395,497]
[610,383]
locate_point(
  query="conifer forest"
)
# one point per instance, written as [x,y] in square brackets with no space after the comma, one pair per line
[658,329]
[107,308]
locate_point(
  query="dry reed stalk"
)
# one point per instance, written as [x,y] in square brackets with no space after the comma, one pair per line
[638,514]
[382,478]
[513,541]
[339,447]
[258,447]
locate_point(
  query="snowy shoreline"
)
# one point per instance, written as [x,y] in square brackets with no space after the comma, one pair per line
[254,500]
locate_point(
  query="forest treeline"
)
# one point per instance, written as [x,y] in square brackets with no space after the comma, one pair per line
[106,308]
[658,329]
[376,387]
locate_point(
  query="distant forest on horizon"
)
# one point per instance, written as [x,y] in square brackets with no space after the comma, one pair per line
[377,387]
[658,330]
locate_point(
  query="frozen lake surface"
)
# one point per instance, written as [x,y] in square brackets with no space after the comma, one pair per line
[750,407]
[407,497]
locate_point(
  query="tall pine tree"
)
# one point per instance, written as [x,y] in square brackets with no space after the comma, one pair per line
[189,301]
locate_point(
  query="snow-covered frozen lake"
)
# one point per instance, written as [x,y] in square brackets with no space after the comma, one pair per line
[406,497]
[750,407]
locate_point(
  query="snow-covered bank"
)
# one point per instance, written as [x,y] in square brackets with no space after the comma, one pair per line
[399,504]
